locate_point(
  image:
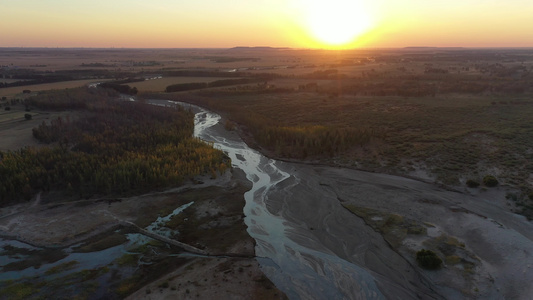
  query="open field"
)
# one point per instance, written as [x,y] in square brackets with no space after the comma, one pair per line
[16,131]
[16,92]
[159,84]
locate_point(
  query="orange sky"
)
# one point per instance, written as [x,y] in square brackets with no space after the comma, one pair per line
[278,23]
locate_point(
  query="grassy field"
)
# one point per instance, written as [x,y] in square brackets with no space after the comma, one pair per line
[6,116]
[159,85]
[13,92]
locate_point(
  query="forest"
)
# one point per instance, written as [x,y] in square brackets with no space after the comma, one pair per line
[114,147]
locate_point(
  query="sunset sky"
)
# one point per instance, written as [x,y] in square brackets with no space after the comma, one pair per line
[277,23]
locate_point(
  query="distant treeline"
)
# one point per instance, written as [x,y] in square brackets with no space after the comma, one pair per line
[30,76]
[116,147]
[35,79]
[430,84]
[201,85]
[77,99]
[225,59]
[424,88]
[209,73]
[201,73]
[121,88]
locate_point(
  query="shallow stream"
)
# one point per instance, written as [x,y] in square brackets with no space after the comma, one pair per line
[298,264]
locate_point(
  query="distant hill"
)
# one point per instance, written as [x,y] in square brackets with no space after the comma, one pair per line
[432,48]
[258,48]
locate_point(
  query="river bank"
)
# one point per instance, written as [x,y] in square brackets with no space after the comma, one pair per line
[48,248]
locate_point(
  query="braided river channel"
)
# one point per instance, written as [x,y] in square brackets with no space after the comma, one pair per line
[307,243]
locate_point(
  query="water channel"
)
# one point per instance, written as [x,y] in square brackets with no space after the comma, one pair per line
[298,263]
[306,242]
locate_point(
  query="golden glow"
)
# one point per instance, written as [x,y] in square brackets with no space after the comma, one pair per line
[331,24]
[336,23]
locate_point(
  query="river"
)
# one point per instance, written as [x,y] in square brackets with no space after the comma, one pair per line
[307,243]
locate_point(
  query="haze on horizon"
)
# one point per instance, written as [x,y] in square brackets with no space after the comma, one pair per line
[276,23]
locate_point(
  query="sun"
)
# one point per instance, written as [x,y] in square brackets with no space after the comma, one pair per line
[336,23]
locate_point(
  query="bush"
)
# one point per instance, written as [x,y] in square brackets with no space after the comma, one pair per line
[472,183]
[179,87]
[427,259]
[7,108]
[27,116]
[490,181]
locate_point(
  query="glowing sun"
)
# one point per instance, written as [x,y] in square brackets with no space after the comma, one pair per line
[336,22]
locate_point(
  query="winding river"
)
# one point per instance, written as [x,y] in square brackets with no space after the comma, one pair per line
[306,242]
[312,247]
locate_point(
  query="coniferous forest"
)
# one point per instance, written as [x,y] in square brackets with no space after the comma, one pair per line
[112,147]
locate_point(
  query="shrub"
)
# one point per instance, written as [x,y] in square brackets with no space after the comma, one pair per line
[27,116]
[490,181]
[427,259]
[472,183]
[179,87]
[7,108]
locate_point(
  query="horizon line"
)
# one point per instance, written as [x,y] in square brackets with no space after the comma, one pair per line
[266,48]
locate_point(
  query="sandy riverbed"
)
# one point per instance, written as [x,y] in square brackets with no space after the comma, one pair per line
[487,250]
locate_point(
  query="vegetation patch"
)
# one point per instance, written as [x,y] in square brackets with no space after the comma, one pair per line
[127,260]
[217,229]
[490,181]
[106,242]
[394,228]
[79,285]
[117,147]
[19,291]
[453,260]
[62,267]
[427,259]
[35,258]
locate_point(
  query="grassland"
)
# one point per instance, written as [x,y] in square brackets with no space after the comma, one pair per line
[159,84]
[16,92]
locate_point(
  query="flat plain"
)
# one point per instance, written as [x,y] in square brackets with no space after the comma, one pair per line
[429,125]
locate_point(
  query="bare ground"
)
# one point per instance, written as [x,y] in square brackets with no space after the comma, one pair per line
[47,222]
[487,250]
